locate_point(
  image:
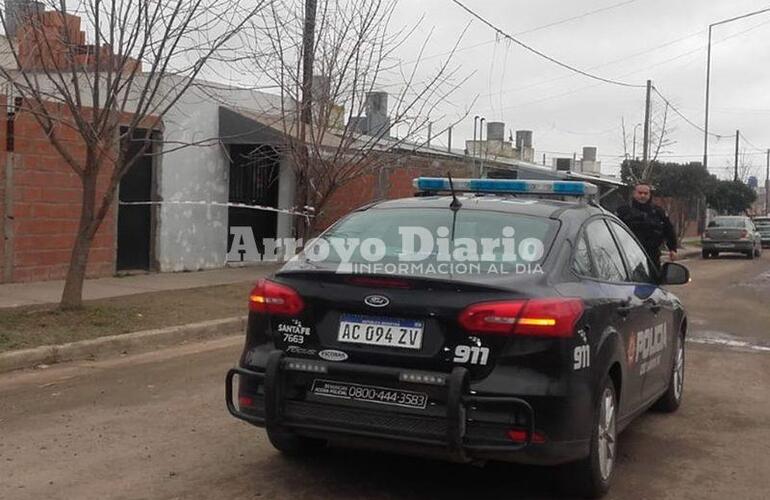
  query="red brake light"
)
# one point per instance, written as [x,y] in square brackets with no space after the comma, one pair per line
[520,436]
[491,317]
[274,298]
[536,317]
[550,317]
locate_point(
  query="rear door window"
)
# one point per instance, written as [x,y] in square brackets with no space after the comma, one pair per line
[607,261]
[582,264]
[638,264]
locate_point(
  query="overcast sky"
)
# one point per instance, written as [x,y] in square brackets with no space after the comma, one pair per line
[631,41]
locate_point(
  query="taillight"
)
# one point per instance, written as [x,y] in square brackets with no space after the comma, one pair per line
[520,436]
[491,317]
[550,317]
[536,317]
[274,298]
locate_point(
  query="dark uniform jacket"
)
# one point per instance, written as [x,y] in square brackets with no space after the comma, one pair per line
[651,225]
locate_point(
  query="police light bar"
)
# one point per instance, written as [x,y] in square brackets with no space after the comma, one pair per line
[564,188]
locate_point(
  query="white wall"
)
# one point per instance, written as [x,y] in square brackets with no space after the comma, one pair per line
[193,237]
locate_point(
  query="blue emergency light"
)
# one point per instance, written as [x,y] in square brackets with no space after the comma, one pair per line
[503,186]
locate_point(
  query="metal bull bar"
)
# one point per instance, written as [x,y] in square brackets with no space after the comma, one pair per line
[458,399]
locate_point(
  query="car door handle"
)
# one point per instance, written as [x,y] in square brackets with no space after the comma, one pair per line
[654,306]
[624,309]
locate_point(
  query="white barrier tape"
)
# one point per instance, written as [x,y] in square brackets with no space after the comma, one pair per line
[219,204]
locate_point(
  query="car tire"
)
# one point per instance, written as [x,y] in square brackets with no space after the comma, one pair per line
[705,254]
[670,401]
[291,444]
[715,254]
[758,252]
[591,477]
[750,255]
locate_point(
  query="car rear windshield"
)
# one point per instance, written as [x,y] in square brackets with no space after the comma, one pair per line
[431,236]
[740,223]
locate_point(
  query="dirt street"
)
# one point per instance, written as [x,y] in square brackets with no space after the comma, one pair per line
[154,426]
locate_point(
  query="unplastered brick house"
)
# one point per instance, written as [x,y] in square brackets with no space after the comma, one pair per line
[40,193]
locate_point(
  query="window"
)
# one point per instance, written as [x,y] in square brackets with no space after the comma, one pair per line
[606,258]
[582,263]
[638,264]
[734,222]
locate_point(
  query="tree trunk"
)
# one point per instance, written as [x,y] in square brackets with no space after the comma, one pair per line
[72,297]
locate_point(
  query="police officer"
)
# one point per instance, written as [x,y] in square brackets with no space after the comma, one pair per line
[649,223]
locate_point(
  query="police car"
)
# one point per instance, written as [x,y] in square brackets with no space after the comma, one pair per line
[481,320]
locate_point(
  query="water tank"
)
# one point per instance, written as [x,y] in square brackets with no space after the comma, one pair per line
[523,139]
[320,87]
[16,9]
[377,113]
[589,153]
[495,131]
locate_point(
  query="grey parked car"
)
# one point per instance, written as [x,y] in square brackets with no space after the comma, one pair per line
[735,234]
[763,226]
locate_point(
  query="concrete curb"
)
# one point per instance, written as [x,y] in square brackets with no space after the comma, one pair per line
[135,342]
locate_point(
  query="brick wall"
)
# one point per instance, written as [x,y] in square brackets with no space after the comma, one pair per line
[46,206]
[392,181]
[3,124]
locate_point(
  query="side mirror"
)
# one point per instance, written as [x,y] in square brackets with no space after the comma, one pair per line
[674,274]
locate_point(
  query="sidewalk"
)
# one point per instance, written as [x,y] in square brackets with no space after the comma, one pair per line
[49,292]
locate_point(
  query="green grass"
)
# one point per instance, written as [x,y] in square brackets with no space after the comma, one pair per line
[34,326]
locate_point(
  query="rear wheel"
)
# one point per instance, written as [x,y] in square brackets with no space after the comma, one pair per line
[591,477]
[705,254]
[750,254]
[672,398]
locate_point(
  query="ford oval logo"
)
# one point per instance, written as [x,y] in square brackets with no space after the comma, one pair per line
[333,355]
[376,300]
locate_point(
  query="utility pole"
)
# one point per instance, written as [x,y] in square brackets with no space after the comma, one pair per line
[430,131]
[737,140]
[767,185]
[306,111]
[308,50]
[706,117]
[708,79]
[646,142]
[449,140]
[481,151]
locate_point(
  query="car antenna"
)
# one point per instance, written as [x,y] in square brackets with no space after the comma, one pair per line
[456,204]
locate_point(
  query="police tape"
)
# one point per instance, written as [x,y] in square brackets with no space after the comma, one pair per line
[263,208]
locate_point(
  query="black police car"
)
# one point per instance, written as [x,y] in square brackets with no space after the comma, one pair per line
[539,348]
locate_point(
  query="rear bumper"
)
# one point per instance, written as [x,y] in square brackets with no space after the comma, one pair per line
[728,246]
[463,427]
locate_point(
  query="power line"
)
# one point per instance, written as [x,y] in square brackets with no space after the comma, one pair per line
[518,42]
[527,31]
[683,117]
[575,18]
[747,141]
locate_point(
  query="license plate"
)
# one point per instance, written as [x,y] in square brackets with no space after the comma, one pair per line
[369,393]
[725,245]
[387,332]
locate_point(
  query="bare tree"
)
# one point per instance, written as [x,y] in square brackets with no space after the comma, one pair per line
[354,49]
[745,165]
[660,138]
[145,55]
